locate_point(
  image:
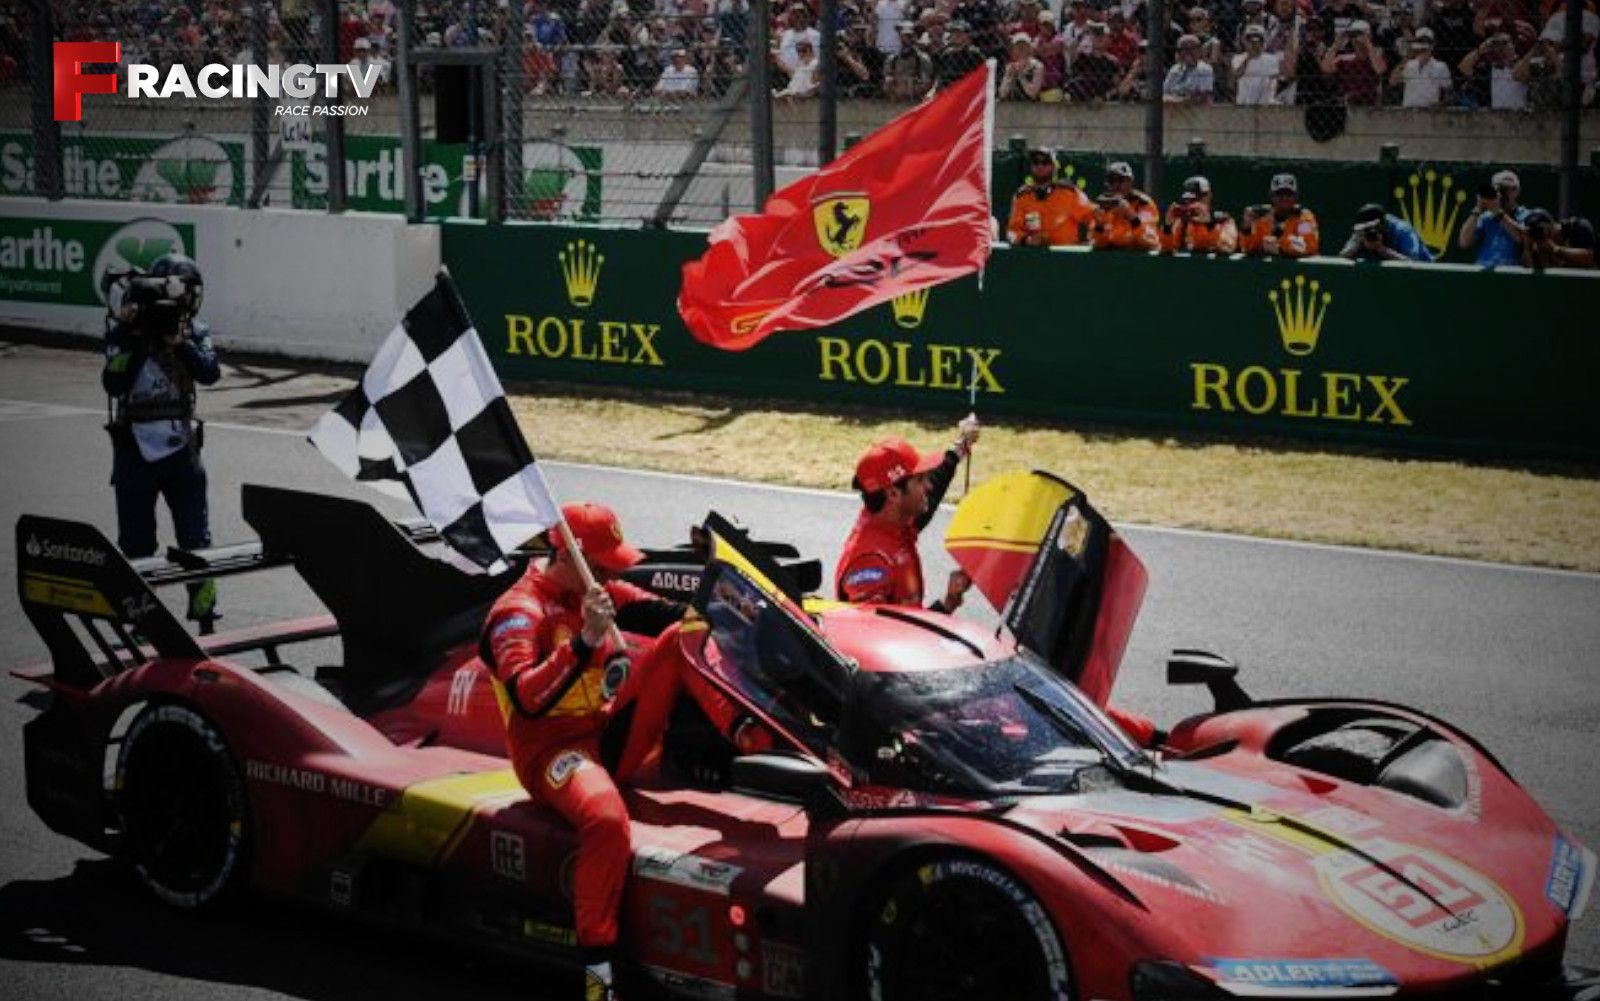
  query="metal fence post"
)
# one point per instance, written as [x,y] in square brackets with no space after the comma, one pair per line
[761,101]
[410,124]
[260,111]
[509,139]
[47,168]
[333,142]
[1155,72]
[828,66]
[1572,58]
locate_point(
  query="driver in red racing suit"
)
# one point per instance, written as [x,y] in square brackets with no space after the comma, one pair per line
[900,491]
[581,716]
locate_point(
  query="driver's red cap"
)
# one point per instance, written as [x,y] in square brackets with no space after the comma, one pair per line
[891,460]
[599,535]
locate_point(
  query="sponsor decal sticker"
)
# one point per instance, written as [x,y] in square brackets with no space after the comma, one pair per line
[563,767]
[1425,901]
[508,855]
[1572,874]
[1290,974]
[783,970]
[866,575]
[684,869]
[507,624]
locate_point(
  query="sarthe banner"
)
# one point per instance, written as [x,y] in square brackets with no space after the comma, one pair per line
[906,208]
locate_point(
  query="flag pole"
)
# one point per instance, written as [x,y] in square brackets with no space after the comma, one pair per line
[576,552]
[972,412]
[988,195]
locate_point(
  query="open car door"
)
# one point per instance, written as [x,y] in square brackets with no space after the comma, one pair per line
[1067,585]
[754,642]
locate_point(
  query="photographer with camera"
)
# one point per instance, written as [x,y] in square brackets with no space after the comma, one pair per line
[156,354]
[1284,228]
[1045,213]
[1191,225]
[1379,236]
[1551,244]
[1125,218]
[1495,229]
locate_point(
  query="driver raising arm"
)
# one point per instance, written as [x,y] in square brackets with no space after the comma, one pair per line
[900,491]
[579,710]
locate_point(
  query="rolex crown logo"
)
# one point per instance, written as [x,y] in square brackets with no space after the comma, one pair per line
[909,307]
[1301,307]
[1432,210]
[580,269]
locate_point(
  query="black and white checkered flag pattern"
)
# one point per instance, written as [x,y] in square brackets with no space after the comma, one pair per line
[430,420]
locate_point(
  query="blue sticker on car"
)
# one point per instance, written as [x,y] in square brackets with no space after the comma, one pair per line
[1302,974]
[1564,885]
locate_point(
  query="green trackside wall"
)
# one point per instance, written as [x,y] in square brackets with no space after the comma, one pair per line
[1405,358]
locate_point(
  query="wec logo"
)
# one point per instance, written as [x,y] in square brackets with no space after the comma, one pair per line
[214,80]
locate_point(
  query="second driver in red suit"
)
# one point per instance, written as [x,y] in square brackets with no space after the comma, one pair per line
[583,715]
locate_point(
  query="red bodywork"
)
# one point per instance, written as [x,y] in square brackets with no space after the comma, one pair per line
[1246,866]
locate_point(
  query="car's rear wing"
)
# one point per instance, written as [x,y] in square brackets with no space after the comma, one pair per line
[69,572]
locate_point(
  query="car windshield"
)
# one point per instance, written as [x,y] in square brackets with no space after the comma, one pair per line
[1004,726]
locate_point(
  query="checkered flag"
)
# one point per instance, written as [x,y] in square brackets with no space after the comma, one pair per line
[429,419]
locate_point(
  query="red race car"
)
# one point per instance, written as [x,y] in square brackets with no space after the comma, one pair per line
[945,814]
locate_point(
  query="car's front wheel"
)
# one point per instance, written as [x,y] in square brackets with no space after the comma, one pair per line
[960,927]
[185,823]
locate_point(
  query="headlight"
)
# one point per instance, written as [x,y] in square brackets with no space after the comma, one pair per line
[1163,981]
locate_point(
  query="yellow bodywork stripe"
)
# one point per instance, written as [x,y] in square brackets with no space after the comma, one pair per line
[429,819]
[1010,512]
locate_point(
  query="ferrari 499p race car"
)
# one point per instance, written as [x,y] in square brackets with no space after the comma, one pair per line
[947,812]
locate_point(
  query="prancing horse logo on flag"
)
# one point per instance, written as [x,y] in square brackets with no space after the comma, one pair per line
[841,221]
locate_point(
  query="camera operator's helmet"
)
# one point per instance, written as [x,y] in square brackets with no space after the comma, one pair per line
[1197,187]
[1285,182]
[1039,154]
[185,285]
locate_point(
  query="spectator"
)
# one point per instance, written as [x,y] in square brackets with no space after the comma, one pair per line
[909,75]
[1094,73]
[1122,40]
[1283,229]
[1189,81]
[1255,15]
[1133,86]
[1451,21]
[789,39]
[1023,77]
[958,58]
[680,78]
[606,77]
[1489,78]
[1045,213]
[1256,71]
[1495,229]
[1379,236]
[1075,30]
[1191,225]
[1211,51]
[1287,22]
[887,16]
[1304,55]
[1355,65]
[1426,80]
[1025,19]
[1051,51]
[1551,244]
[803,81]
[1125,218]
[858,65]
[1541,69]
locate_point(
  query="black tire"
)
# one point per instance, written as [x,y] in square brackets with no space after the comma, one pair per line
[959,928]
[185,815]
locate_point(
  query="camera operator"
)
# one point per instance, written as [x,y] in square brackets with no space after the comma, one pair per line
[1045,213]
[1379,236]
[1495,229]
[1191,225]
[156,353]
[1283,229]
[1551,244]
[1125,218]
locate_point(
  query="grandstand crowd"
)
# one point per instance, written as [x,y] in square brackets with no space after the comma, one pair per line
[1502,54]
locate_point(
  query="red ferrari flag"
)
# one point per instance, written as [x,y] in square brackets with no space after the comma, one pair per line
[906,208]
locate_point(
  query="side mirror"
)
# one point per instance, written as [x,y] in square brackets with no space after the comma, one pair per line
[787,777]
[1217,673]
